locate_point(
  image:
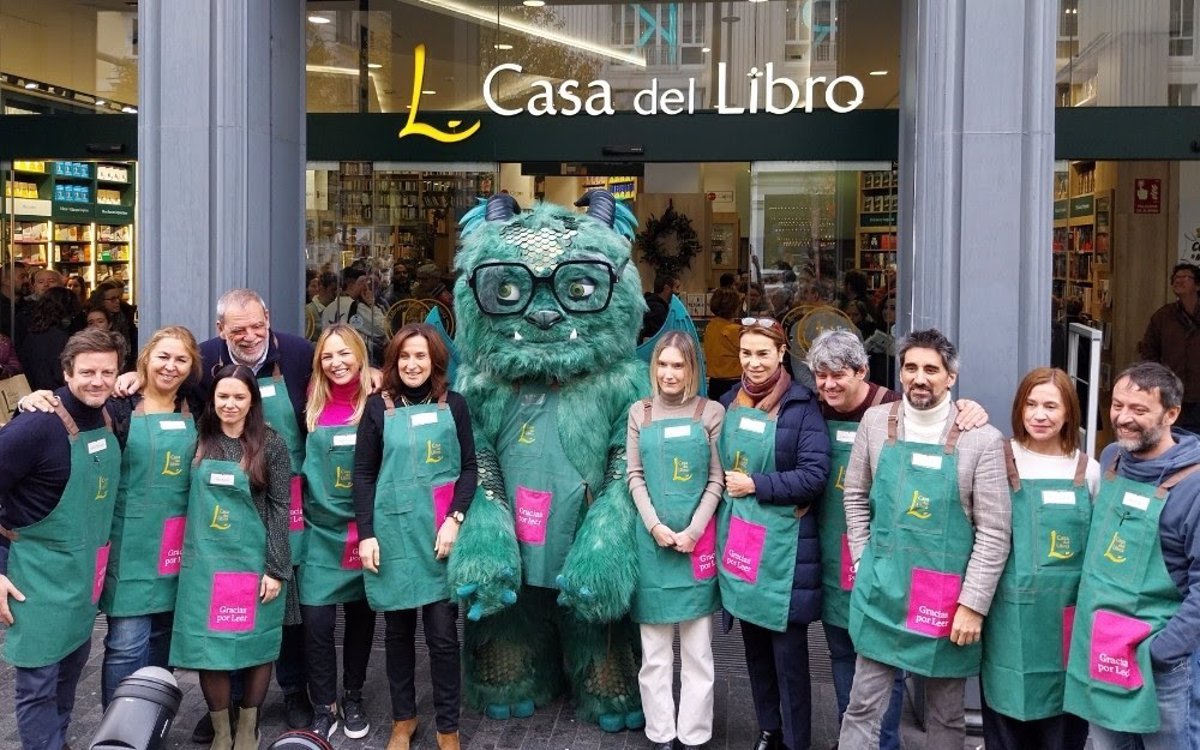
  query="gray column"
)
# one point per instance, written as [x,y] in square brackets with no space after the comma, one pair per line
[976,170]
[221,158]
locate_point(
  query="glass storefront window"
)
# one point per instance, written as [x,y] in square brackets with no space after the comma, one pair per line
[438,54]
[68,56]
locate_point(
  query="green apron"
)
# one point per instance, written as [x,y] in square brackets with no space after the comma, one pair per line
[220,623]
[151,508]
[281,416]
[757,542]
[413,494]
[59,562]
[331,572]
[674,587]
[1126,597]
[1024,665]
[909,578]
[545,490]
[837,569]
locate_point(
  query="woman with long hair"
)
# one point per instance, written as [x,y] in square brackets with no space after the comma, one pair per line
[109,295]
[236,560]
[414,478]
[1053,484]
[330,571]
[775,450]
[51,322]
[675,477]
[158,439]
[721,342]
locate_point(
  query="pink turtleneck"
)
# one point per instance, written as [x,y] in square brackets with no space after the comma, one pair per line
[340,407]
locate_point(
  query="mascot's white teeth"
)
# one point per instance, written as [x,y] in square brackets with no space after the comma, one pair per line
[574,334]
[517,336]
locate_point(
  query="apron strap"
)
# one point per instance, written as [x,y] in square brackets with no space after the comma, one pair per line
[442,400]
[107,419]
[275,372]
[1010,465]
[647,407]
[952,438]
[1111,474]
[389,404]
[1175,479]
[880,394]
[68,421]
[184,409]
[9,534]
[1081,469]
[698,412]
[893,428]
[140,409]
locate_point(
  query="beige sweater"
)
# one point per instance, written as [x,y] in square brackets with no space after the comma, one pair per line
[712,418]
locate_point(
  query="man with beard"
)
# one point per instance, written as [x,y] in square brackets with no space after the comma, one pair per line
[1137,618]
[928,519]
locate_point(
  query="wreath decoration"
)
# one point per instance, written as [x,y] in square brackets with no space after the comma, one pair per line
[669,243]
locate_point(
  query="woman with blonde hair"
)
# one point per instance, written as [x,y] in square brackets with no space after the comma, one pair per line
[330,570]
[675,478]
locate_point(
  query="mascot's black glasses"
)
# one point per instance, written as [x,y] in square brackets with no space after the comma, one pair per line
[583,286]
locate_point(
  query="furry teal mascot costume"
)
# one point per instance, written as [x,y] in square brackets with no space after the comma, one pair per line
[548,307]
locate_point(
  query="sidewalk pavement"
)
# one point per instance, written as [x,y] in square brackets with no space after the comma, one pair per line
[552,727]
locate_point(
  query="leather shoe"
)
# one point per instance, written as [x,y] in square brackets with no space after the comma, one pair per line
[769,741]
[298,709]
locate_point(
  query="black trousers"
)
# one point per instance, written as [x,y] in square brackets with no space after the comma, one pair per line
[1062,732]
[779,681]
[321,652]
[440,621]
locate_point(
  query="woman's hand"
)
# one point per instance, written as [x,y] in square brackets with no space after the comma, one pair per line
[368,553]
[684,543]
[738,484]
[268,589]
[446,537]
[663,536]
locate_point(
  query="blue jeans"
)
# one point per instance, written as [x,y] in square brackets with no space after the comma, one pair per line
[44,699]
[133,643]
[841,661]
[1174,689]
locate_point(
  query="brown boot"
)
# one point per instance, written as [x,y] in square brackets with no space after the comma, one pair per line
[402,733]
[447,740]
[247,730]
[222,736]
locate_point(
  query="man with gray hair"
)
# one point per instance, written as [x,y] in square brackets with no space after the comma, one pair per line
[1137,618]
[839,363]
[928,519]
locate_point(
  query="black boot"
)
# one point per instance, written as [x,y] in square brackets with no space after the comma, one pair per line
[772,740]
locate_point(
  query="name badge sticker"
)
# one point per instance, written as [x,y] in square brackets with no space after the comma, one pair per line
[221,480]
[266,391]
[845,436]
[678,431]
[927,461]
[1141,502]
[425,417]
[342,440]
[173,424]
[97,445]
[1058,497]
[752,425]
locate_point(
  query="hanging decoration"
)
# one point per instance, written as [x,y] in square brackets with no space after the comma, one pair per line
[669,243]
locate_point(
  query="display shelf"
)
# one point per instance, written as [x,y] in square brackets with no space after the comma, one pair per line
[876,234]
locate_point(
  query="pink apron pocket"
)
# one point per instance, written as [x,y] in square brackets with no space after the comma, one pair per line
[296,508]
[704,555]
[533,514]
[101,570]
[234,602]
[170,548]
[743,549]
[443,497]
[846,568]
[1114,642]
[932,600]
[350,558]
[1068,626]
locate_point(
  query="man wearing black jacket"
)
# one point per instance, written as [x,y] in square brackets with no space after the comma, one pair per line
[659,303]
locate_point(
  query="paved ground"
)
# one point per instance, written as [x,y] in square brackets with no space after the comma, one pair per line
[553,727]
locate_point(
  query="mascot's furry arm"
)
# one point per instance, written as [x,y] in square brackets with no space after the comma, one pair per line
[485,566]
[601,569]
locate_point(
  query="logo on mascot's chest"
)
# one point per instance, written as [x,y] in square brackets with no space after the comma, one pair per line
[527,434]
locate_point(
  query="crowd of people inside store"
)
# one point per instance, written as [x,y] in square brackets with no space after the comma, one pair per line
[219,500]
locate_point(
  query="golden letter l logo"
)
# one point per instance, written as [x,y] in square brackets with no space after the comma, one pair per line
[412,127]
[220,519]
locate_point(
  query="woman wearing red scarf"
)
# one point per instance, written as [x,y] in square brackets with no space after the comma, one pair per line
[775,451]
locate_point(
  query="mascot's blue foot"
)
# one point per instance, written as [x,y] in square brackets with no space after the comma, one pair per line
[522,710]
[498,711]
[611,722]
[501,711]
[635,720]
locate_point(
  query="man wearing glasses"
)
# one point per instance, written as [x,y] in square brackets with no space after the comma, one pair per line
[1173,338]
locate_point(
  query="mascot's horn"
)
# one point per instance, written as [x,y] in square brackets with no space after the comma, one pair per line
[502,207]
[601,205]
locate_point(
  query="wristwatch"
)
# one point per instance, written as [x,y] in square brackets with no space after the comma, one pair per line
[458,516]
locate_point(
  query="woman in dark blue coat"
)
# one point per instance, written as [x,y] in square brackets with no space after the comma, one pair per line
[775,450]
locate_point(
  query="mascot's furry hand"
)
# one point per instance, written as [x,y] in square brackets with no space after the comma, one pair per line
[484,569]
[600,571]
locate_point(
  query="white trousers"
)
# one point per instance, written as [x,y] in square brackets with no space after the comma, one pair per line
[695,722]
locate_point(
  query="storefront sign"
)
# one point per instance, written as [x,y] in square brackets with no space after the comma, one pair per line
[1147,196]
